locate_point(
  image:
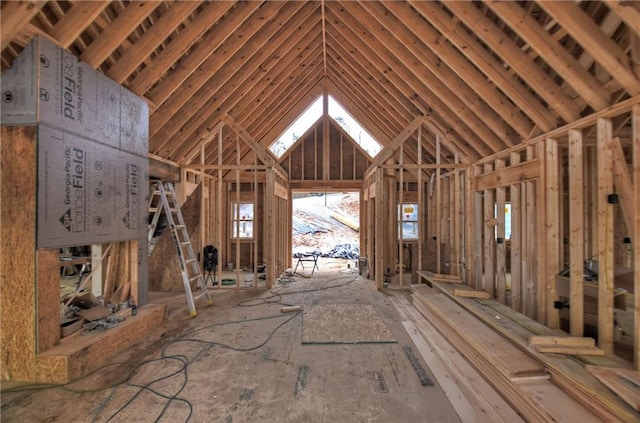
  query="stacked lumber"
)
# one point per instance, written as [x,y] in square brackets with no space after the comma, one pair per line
[470,395]
[521,381]
[567,372]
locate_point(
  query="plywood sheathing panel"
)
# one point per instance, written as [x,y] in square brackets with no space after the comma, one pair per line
[164,270]
[48,311]
[18,265]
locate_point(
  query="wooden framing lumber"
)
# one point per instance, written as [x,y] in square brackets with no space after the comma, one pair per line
[552,52]
[552,231]
[635,238]
[591,37]
[576,231]
[16,15]
[510,175]
[117,31]
[151,39]
[605,236]
[75,21]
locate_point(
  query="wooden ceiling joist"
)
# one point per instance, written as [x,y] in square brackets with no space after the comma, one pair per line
[75,21]
[589,35]
[509,51]
[553,53]
[117,32]
[150,40]
[485,75]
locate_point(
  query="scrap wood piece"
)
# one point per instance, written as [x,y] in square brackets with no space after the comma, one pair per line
[439,277]
[94,313]
[565,345]
[623,382]
[470,293]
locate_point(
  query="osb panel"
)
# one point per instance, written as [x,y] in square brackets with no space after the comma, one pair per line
[77,355]
[335,154]
[362,163]
[52,369]
[296,163]
[343,324]
[48,299]
[347,160]
[17,241]
[310,154]
[164,270]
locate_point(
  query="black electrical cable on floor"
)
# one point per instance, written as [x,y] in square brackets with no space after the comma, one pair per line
[278,295]
[184,369]
[130,371]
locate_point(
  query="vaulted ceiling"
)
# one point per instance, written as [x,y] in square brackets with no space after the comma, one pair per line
[482,76]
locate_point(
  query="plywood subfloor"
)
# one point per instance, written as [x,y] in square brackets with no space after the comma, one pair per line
[343,324]
[267,375]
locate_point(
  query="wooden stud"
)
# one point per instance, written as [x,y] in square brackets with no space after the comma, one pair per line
[489,241]
[577,229]
[539,200]
[635,238]
[457,221]
[516,239]
[379,258]
[605,236]
[501,249]
[438,209]
[421,207]
[552,231]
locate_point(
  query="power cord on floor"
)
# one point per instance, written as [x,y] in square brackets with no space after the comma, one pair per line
[276,296]
[188,337]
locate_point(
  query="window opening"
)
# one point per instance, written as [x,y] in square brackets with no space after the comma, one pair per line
[242,221]
[408,221]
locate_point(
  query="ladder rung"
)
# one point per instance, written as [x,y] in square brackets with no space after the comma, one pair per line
[190,260]
[153,209]
[180,226]
[195,278]
[185,242]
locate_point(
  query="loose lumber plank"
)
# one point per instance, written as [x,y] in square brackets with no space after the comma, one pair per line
[567,341]
[470,293]
[567,373]
[568,349]
[625,383]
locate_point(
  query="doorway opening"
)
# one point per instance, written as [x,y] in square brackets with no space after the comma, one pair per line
[326,223]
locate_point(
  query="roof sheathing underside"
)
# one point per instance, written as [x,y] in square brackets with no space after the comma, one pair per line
[484,75]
